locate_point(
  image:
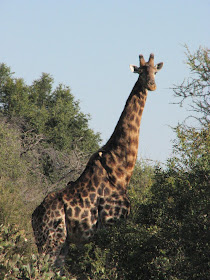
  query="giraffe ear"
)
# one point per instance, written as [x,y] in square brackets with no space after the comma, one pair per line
[159,66]
[134,69]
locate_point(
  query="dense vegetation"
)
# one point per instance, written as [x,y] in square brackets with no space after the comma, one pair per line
[45,141]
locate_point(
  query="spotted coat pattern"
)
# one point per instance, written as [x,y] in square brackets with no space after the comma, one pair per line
[98,197]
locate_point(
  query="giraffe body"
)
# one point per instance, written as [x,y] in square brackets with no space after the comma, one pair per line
[98,197]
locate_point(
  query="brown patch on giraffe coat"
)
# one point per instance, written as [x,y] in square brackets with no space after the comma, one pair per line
[124,211]
[60,205]
[105,180]
[100,171]
[69,212]
[73,202]
[132,128]
[141,103]
[85,226]
[84,193]
[119,172]
[110,160]
[92,188]
[100,192]
[85,179]
[59,230]
[84,214]
[81,203]
[116,210]
[115,195]
[52,214]
[93,216]
[95,181]
[107,207]
[87,203]
[137,120]
[119,202]
[127,179]
[57,213]
[132,117]
[126,203]
[130,165]
[56,223]
[50,224]
[71,191]
[133,152]
[77,210]
[67,197]
[54,206]
[135,106]
[102,186]
[102,201]
[92,197]
[106,191]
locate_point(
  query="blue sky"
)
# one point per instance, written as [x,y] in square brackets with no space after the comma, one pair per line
[88,45]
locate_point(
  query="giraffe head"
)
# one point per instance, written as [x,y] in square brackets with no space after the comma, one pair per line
[147,71]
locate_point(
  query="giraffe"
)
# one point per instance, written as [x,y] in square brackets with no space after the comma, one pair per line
[98,197]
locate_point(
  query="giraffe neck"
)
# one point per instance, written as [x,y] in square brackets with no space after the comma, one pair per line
[122,146]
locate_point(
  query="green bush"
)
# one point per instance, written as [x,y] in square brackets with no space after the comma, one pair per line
[17,261]
[13,170]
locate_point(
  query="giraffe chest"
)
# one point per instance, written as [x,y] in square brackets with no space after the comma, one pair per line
[80,215]
[84,215]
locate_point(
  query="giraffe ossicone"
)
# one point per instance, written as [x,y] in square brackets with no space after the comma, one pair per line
[98,197]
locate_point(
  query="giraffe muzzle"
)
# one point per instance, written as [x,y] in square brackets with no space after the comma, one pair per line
[151,86]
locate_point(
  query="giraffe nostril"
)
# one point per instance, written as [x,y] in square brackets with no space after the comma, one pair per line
[151,83]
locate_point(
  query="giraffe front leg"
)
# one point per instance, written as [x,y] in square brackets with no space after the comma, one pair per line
[53,241]
[50,232]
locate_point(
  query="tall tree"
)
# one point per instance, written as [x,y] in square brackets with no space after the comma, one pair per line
[179,202]
[195,90]
[52,112]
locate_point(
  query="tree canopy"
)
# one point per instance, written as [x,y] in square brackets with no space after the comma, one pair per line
[195,89]
[52,112]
